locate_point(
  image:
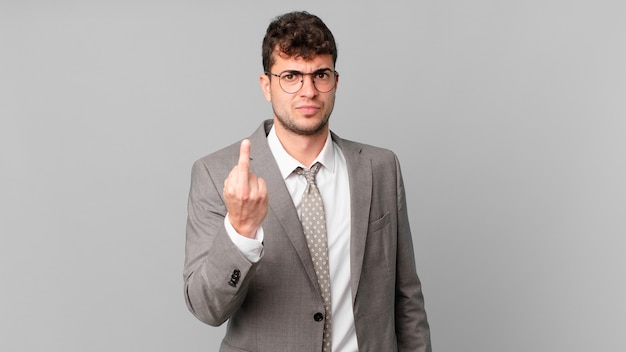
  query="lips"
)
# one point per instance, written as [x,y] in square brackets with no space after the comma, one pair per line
[308,109]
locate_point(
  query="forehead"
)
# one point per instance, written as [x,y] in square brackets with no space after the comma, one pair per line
[284,62]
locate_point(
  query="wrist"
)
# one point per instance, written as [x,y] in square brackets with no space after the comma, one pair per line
[244,230]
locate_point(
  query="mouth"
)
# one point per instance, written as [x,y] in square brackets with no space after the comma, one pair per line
[308,109]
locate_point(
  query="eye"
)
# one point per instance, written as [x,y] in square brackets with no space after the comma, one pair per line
[324,75]
[290,76]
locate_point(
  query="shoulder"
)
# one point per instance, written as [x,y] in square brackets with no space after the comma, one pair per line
[222,156]
[218,162]
[227,157]
[215,167]
[375,153]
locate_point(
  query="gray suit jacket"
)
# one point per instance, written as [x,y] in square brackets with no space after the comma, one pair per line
[271,305]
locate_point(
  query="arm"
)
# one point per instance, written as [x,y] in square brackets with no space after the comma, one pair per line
[216,273]
[412,329]
[210,255]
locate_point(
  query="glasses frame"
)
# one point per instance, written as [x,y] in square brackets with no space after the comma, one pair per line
[296,72]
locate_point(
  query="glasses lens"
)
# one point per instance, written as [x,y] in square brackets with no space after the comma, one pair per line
[324,80]
[291,82]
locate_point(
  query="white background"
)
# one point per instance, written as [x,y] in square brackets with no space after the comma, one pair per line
[508,118]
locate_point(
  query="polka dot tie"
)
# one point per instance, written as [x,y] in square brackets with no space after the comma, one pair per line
[314,226]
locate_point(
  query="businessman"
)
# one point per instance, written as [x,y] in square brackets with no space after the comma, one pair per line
[297,237]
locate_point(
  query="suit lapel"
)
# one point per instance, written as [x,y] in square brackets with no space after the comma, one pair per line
[360,176]
[263,164]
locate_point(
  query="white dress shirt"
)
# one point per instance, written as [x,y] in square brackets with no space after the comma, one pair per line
[333,184]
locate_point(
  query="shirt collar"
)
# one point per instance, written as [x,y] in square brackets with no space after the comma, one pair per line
[286,163]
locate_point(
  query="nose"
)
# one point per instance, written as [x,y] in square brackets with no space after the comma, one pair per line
[308,86]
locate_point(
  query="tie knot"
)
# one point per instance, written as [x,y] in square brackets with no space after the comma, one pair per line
[310,173]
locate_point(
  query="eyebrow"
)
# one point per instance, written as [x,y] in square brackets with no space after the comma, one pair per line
[318,70]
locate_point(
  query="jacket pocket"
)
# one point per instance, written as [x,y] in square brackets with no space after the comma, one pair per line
[378,224]
[379,250]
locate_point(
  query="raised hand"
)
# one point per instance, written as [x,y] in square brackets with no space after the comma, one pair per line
[245,195]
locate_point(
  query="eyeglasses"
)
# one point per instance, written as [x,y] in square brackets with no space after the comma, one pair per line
[291,81]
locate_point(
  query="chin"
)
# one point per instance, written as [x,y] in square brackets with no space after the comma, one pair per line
[309,128]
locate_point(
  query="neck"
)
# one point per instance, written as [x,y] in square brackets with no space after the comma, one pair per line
[304,148]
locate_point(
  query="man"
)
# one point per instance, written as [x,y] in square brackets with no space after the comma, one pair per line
[342,281]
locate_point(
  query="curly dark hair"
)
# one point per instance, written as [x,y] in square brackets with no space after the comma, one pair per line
[297,34]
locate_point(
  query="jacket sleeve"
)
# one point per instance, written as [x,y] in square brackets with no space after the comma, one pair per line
[412,329]
[216,274]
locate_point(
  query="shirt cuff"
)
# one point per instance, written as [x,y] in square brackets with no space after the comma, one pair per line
[251,248]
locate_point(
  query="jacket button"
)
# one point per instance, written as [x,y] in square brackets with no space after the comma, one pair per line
[234,278]
[318,317]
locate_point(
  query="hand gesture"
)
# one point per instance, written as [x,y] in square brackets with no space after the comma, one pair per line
[245,195]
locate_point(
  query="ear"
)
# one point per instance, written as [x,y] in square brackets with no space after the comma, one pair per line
[266,86]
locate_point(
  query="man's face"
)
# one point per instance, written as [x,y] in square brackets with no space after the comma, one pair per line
[307,111]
